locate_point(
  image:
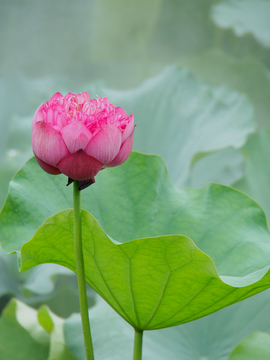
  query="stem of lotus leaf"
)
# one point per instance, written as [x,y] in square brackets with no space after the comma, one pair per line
[81,273]
[138,341]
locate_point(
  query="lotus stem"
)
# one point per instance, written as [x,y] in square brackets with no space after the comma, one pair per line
[81,273]
[138,341]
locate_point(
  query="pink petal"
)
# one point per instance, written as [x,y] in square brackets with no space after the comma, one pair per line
[50,116]
[38,116]
[76,136]
[106,144]
[79,166]
[48,168]
[48,144]
[61,121]
[129,128]
[83,97]
[124,152]
[55,98]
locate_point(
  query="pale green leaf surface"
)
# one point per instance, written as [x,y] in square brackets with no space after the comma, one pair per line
[257,174]
[9,283]
[245,16]
[246,75]
[225,166]
[184,118]
[152,283]
[255,346]
[6,174]
[210,338]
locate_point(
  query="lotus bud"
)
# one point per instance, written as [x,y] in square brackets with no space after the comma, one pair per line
[78,137]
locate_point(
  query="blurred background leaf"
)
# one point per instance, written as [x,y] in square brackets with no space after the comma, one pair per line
[255,183]
[248,76]
[254,346]
[184,119]
[244,16]
[26,333]
[49,284]
[24,339]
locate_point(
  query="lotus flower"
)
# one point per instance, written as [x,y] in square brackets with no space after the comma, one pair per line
[78,137]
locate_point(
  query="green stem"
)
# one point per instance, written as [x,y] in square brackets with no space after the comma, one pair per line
[138,340]
[80,272]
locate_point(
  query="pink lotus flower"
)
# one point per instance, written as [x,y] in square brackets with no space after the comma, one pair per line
[78,137]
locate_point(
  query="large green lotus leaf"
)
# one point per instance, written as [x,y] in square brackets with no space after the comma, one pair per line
[253,347]
[183,119]
[152,282]
[136,200]
[245,16]
[246,75]
[256,180]
[210,338]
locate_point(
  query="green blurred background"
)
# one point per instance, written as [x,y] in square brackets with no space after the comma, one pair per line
[196,75]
